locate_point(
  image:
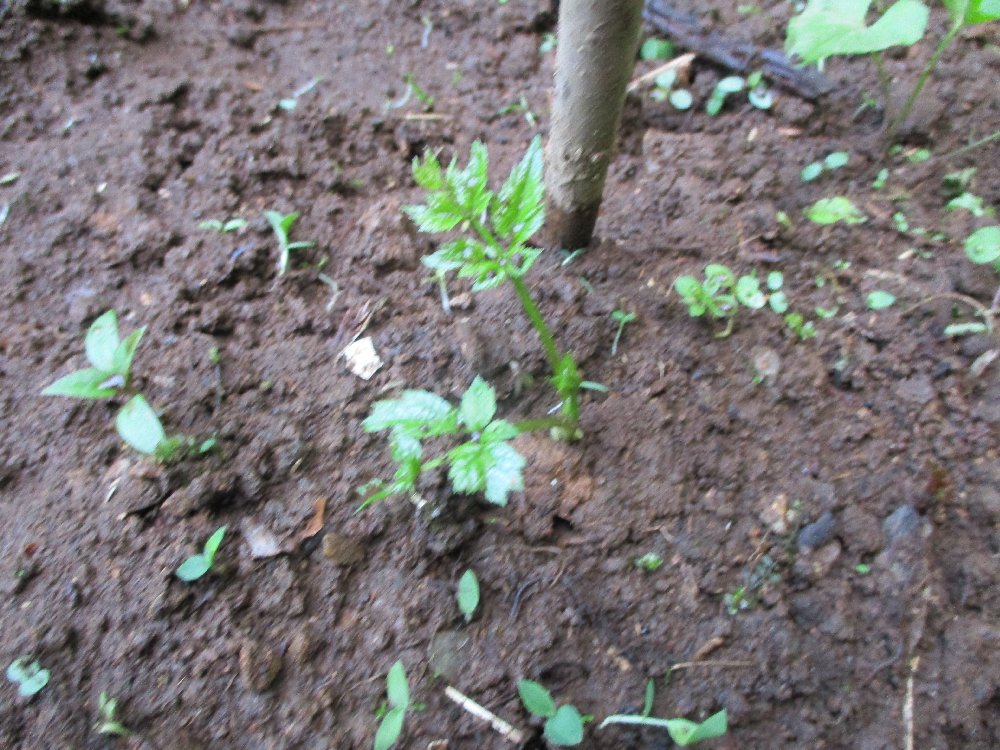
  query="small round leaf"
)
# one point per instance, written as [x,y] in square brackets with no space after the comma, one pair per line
[536,699]
[879,300]
[566,727]
[983,245]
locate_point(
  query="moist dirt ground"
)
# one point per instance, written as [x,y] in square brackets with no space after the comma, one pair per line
[826,510]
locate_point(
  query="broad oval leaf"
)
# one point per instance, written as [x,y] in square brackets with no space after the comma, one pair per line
[468,594]
[102,341]
[837,27]
[687,287]
[88,383]
[193,568]
[566,727]
[479,404]
[748,292]
[536,699]
[139,426]
[390,729]
[983,245]
[880,299]
[831,210]
[212,544]
[397,688]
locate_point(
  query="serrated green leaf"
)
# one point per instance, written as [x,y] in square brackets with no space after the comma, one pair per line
[212,544]
[983,245]
[498,431]
[479,404]
[837,27]
[121,361]
[441,260]
[566,727]
[528,257]
[503,472]
[86,383]
[397,688]
[101,341]
[438,215]
[427,173]
[139,426]
[468,594]
[412,409]
[519,209]
[405,443]
[390,729]
[193,568]
[536,699]
[467,468]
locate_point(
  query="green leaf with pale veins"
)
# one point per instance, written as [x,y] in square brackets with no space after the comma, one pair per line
[566,727]
[139,426]
[412,409]
[479,404]
[503,472]
[837,27]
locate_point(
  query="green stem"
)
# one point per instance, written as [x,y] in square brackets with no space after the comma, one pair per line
[535,316]
[900,119]
[545,423]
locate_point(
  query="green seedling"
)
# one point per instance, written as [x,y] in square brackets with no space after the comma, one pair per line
[394,713]
[486,462]
[725,87]
[834,160]
[10,178]
[755,580]
[663,90]
[29,678]
[880,179]
[681,731]
[862,569]
[521,105]
[548,43]
[563,725]
[656,49]
[492,246]
[956,183]
[758,94]
[198,565]
[216,225]
[971,203]
[106,722]
[468,594]
[414,89]
[880,300]
[833,210]
[110,374]
[282,226]
[983,246]
[622,318]
[649,562]
[827,28]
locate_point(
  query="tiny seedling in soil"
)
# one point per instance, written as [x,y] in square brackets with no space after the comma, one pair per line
[468,594]
[836,209]
[29,678]
[649,562]
[110,374]
[663,90]
[971,203]
[983,246]
[292,102]
[725,87]
[107,722]
[398,695]
[282,226]
[834,160]
[681,731]
[754,582]
[216,225]
[198,565]
[563,725]
[656,49]
[622,318]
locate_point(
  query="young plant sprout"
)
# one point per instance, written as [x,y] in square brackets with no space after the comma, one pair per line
[834,160]
[621,318]
[880,300]
[833,210]
[282,226]
[680,99]
[725,87]
[229,225]
[198,565]
[111,374]
[29,678]
[563,725]
[106,722]
[394,714]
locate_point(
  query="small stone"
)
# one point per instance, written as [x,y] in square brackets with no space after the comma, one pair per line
[919,389]
[818,532]
[341,549]
[260,665]
[823,559]
[901,523]
[775,515]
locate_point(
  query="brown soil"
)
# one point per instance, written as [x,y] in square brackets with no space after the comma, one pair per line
[873,444]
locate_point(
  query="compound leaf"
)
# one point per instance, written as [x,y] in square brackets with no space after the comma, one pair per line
[519,209]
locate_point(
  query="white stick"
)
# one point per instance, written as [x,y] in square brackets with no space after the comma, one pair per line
[677,63]
[499,725]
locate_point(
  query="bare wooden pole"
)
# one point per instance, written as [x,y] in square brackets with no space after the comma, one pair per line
[595,53]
